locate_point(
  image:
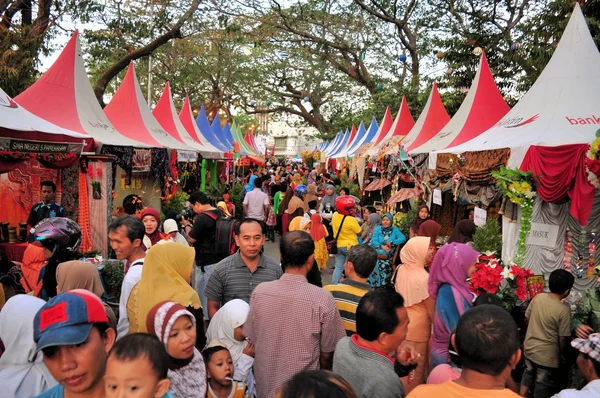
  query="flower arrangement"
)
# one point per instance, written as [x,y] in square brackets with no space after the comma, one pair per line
[592,163]
[517,186]
[316,155]
[508,281]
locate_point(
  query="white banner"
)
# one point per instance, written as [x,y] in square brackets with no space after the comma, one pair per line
[186,156]
[480,216]
[437,197]
[542,235]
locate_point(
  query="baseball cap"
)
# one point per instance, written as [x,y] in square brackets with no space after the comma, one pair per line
[67,319]
[170,225]
[589,346]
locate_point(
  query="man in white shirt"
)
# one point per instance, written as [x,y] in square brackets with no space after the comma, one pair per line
[588,363]
[125,235]
[256,202]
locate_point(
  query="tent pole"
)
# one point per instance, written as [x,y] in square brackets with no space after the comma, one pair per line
[213,174]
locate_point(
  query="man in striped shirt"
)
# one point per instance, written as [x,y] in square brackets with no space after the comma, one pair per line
[359,265]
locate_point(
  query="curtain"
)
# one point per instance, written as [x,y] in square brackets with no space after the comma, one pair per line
[98,208]
[560,173]
[123,157]
[7,165]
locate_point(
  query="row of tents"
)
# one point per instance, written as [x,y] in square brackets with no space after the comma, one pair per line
[561,108]
[61,107]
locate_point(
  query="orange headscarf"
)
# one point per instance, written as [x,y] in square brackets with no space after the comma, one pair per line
[412,279]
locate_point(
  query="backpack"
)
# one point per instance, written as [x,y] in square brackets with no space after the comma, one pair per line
[224,241]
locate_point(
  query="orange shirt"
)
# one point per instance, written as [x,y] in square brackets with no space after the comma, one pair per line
[451,389]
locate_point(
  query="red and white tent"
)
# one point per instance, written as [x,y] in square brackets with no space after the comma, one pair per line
[562,106]
[166,114]
[187,120]
[385,129]
[129,113]
[21,129]
[432,119]
[64,96]
[481,109]
[402,125]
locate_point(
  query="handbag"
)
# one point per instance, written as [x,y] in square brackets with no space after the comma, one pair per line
[332,244]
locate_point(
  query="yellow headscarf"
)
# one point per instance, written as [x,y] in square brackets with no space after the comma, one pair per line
[223,207]
[300,223]
[165,277]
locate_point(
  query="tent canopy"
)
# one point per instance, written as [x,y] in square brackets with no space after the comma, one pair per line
[560,108]
[187,120]
[207,131]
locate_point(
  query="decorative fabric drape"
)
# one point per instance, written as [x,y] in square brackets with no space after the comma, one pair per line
[123,157]
[84,214]
[478,165]
[98,228]
[160,168]
[544,260]
[59,164]
[7,165]
[560,172]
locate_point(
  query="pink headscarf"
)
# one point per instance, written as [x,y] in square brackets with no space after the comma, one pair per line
[412,279]
[451,265]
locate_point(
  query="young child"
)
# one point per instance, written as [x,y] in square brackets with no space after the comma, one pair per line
[271,224]
[137,367]
[219,372]
[230,206]
[312,207]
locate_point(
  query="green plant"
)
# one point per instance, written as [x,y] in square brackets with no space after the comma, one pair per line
[407,221]
[234,196]
[113,275]
[488,237]
[91,254]
[175,203]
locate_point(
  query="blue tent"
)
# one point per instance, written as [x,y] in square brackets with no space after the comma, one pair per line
[220,134]
[228,136]
[340,147]
[207,131]
[332,143]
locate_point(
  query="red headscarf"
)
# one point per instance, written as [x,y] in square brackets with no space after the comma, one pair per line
[155,236]
[317,229]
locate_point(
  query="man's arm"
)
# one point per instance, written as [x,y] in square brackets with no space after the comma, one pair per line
[326,360]
[187,228]
[213,307]
[245,210]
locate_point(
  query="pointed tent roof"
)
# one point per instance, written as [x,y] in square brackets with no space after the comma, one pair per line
[18,123]
[561,106]
[333,143]
[353,131]
[237,137]
[187,120]
[166,115]
[361,137]
[341,146]
[219,133]
[64,97]
[432,119]
[482,107]
[385,126]
[371,133]
[403,123]
[345,150]
[227,133]
[129,113]
[207,131]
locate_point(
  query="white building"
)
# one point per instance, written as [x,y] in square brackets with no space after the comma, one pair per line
[290,140]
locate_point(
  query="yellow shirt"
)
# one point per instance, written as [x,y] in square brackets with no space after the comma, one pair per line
[350,230]
[451,389]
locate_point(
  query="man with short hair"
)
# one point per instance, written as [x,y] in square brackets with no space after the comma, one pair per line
[47,208]
[125,235]
[294,325]
[588,362]
[365,360]
[236,276]
[359,265]
[72,331]
[202,235]
[487,342]
[548,332]
[256,202]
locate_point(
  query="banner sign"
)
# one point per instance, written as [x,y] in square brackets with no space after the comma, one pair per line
[142,160]
[542,235]
[186,156]
[437,197]
[480,216]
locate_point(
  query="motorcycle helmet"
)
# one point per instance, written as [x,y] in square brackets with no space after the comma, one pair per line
[344,204]
[57,234]
[300,191]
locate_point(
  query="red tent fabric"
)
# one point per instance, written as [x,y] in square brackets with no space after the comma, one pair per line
[352,135]
[385,125]
[405,121]
[433,118]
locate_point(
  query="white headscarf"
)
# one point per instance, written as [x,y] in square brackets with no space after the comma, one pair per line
[232,315]
[22,373]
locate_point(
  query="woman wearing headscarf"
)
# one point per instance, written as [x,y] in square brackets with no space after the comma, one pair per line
[278,199]
[175,327]
[22,371]
[448,286]
[304,224]
[166,276]
[412,284]
[463,232]
[300,223]
[223,207]
[422,216]
[248,187]
[84,275]
[296,204]
[227,327]
[283,207]
[430,229]
[318,233]
[297,181]
[385,239]
[151,220]
[327,207]
[310,196]
[374,221]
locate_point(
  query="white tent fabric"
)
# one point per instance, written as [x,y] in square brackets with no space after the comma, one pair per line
[562,107]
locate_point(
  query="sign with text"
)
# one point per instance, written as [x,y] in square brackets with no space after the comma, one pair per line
[40,147]
[437,197]
[480,216]
[186,156]
[542,235]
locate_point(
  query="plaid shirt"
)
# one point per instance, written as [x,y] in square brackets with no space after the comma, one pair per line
[290,323]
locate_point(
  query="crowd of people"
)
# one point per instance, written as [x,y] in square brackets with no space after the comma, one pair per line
[196,319]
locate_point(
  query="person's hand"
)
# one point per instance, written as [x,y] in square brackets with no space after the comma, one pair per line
[407,355]
[583,331]
[249,350]
[386,248]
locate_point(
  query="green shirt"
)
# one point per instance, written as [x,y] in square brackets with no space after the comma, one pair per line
[277,201]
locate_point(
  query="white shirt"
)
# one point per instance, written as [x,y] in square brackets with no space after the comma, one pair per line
[255,202]
[591,390]
[132,277]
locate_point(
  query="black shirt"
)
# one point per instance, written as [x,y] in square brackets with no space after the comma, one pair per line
[41,211]
[204,232]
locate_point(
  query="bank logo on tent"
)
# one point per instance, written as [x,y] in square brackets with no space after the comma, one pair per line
[513,122]
[8,102]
